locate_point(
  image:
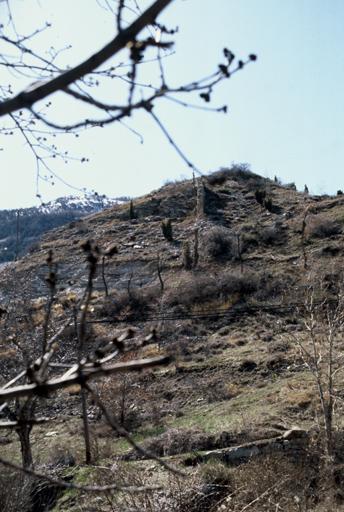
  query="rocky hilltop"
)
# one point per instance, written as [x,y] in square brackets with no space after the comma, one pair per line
[261,217]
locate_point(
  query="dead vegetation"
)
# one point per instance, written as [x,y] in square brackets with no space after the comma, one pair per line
[322,227]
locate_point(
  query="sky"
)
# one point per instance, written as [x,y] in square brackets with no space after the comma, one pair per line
[285,111]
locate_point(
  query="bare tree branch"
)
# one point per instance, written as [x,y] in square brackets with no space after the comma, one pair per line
[70,485]
[81,376]
[128,35]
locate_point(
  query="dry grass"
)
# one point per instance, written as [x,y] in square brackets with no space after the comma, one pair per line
[15,491]
[300,394]
[7,353]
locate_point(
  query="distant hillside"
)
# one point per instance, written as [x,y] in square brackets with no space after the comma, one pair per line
[20,230]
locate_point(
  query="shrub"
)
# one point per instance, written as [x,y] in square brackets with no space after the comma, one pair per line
[132,213]
[218,177]
[15,491]
[213,482]
[339,192]
[265,201]
[248,365]
[331,250]
[266,480]
[34,247]
[166,227]
[291,185]
[322,227]
[187,258]
[272,235]
[204,288]
[216,473]
[219,244]
[268,204]
[260,195]
[242,284]
[142,298]
[240,170]
[139,300]
[270,286]
[249,241]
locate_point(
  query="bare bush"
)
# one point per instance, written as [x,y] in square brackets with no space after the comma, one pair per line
[139,300]
[219,177]
[260,195]
[117,395]
[249,241]
[207,492]
[198,289]
[239,171]
[15,492]
[268,481]
[243,284]
[271,286]
[187,257]
[272,235]
[166,228]
[322,227]
[322,354]
[219,244]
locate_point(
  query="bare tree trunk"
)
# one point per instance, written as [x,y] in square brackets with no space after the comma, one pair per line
[239,248]
[25,445]
[327,412]
[104,278]
[200,198]
[122,403]
[330,390]
[87,437]
[303,241]
[92,257]
[159,274]
[329,428]
[195,250]
[25,414]
[17,235]
[130,296]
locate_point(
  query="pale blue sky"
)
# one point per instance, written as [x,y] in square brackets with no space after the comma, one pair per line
[286,111]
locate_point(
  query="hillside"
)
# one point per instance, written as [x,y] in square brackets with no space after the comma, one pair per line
[227,296]
[20,230]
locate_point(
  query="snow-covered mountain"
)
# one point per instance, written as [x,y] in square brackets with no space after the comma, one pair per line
[86,204]
[20,230]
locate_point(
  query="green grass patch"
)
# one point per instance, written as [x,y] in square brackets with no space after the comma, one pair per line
[254,406]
